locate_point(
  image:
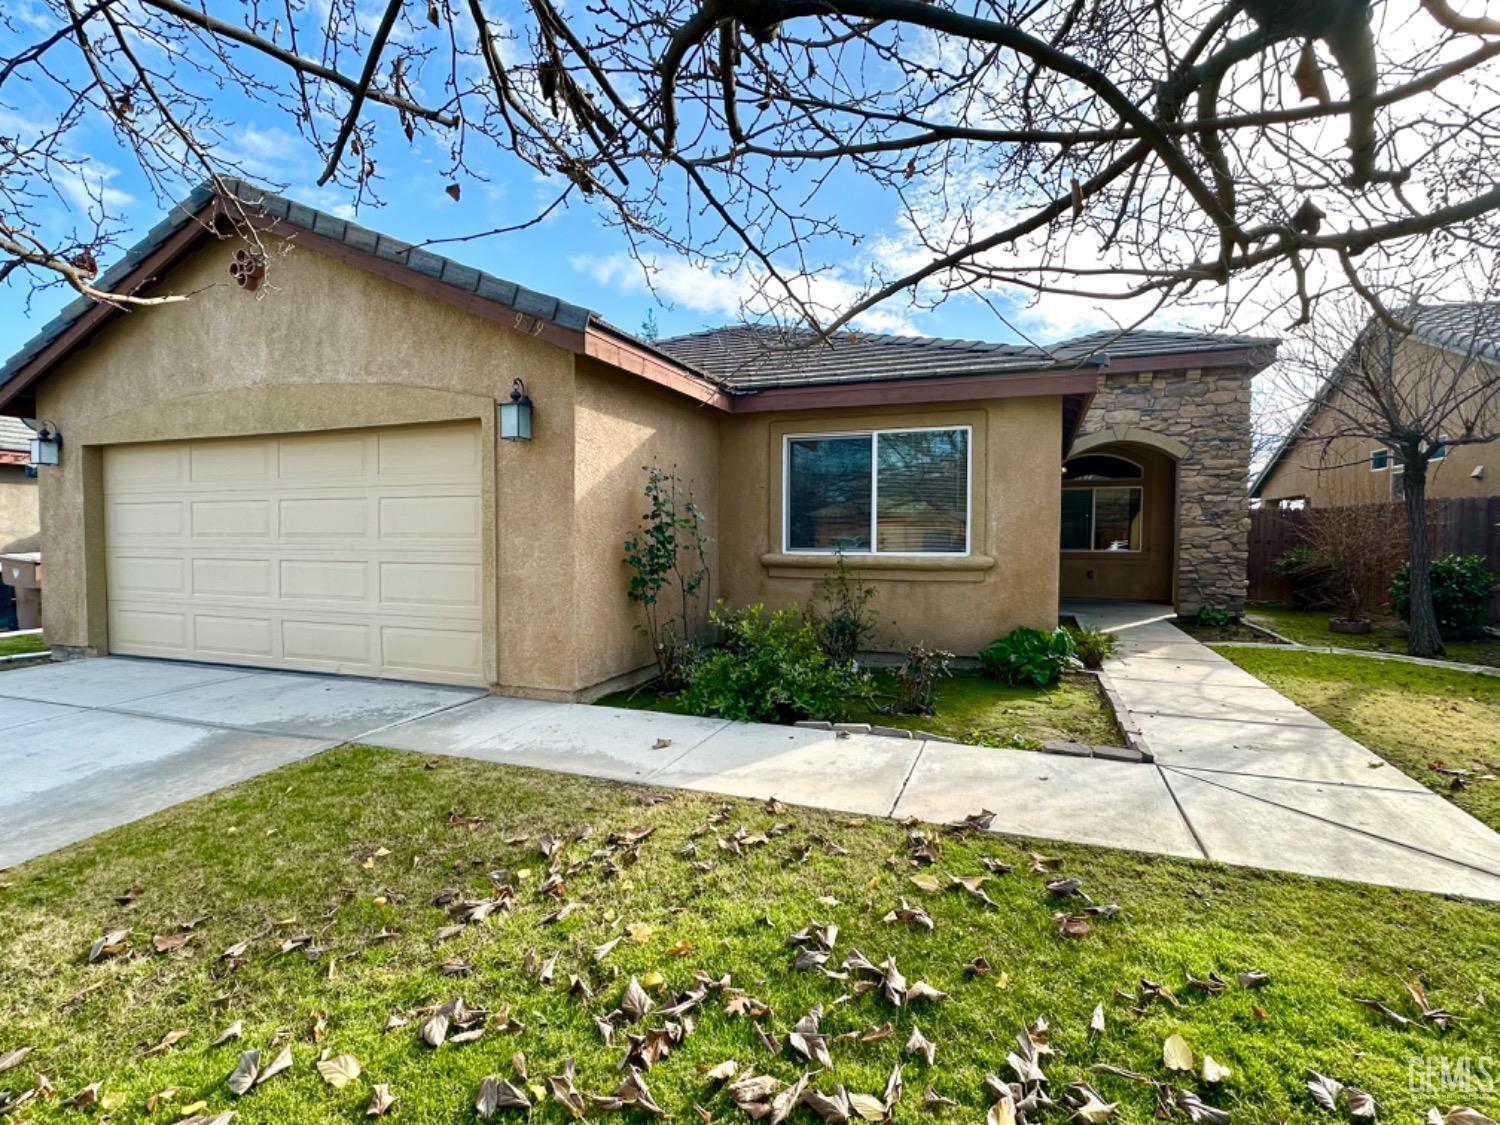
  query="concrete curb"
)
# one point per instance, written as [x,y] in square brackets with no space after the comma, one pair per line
[22,659]
[1396,657]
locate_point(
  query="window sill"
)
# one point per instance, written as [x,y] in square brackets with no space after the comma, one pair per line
[960,568]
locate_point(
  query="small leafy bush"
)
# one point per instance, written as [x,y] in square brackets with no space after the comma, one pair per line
[917,677]
[1092,645]
[771,669]
[841,617]
[1461,586]
[1212,617]
[1029,656]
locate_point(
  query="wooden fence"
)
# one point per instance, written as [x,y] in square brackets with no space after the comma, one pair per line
[1470,526]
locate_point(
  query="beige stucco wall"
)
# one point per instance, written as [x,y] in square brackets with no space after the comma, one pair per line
[623,425]
[19,521]
[323,346]
[1328,469]
[960,604]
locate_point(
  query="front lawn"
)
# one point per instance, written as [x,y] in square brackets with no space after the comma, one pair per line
[1310,627]
[1422,719]
[27,642]
[327,871]
[971,708]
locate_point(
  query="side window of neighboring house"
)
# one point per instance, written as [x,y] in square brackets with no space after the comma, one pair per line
[1380,460]
[1292,503]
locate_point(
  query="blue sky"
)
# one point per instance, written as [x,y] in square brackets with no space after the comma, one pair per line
[573,254]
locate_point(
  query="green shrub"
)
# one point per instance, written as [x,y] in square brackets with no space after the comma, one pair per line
[771,669]
[1212,617]
[1461,586]
[1029,656]
[1092,645]
[842,621]
[917,677]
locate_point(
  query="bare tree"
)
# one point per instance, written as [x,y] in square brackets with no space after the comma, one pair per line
[1142,151]
[1416,395]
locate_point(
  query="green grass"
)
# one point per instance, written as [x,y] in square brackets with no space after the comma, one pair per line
[1310,627]
[969,707]
[294,845]
[1415,716]
[978,710]
[14,646]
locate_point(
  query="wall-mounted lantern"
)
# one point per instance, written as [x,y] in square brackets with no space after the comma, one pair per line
[515,415]
[46,442]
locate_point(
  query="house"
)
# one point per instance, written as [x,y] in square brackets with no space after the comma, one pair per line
[1316,464]
[309,474]
[20,529]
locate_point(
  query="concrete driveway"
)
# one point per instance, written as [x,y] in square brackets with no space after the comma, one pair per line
[88,745]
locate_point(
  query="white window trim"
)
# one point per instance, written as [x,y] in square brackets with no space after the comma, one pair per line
[874,436]
[1093,487]
[1381,468]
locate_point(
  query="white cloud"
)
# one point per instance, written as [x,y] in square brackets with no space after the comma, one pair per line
[89,191]
[746,293]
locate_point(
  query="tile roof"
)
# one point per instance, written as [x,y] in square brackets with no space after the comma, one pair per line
[740,358]
[751,357]
[14,437]
[258,200]
[1461,326]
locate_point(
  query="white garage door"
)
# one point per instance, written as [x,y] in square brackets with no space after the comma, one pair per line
[355,551]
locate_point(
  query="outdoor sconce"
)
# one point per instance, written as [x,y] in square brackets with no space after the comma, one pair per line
[46,442]
[515,415]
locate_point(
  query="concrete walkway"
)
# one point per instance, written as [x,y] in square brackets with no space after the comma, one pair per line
[88,745]
[1262,782]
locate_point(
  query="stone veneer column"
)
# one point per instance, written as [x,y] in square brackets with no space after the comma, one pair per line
[1209,412]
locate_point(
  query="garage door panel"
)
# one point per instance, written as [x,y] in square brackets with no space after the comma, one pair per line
[231,519]
[232,578]
[154,630]
[428,455]
[232,636]
[353,551]
[430,651]
[339,642]
[430,517]
[429,584]
[145,520]
[323,457]
[240,462]
[137,467]
[325,580]
[136,574]
[325,517]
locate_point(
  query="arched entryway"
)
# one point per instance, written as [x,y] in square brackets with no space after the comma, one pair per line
[1119,521]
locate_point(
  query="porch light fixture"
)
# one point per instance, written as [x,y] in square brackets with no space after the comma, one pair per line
[515,415]
[46,442]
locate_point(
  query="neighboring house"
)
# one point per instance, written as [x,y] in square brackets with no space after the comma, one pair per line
[310,476]
[1318,466]
[20,529]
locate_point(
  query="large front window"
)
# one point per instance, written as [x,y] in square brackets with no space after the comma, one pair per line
[893,492]
[1100,512]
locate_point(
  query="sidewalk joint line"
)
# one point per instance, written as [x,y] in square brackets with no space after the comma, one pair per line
[905,781]
[1367,833]
[1182,812]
